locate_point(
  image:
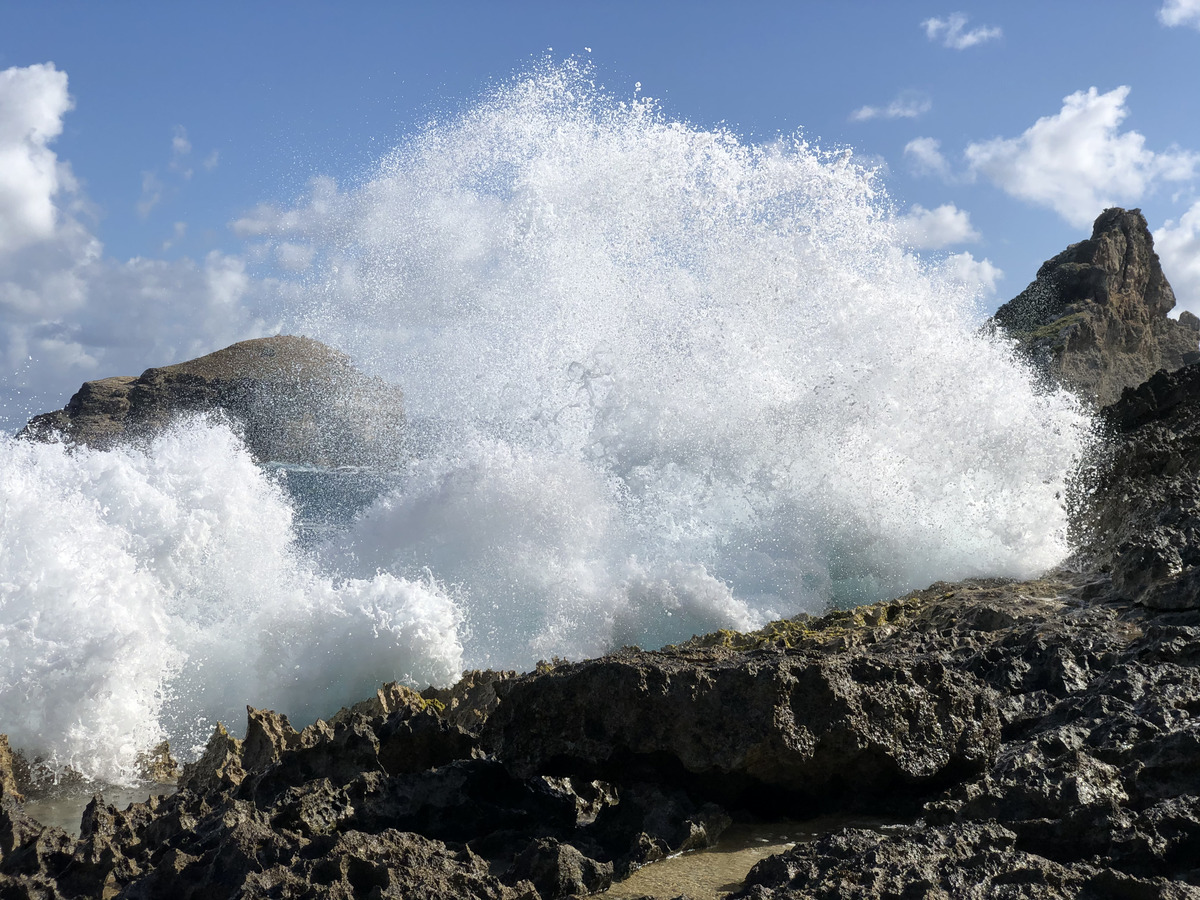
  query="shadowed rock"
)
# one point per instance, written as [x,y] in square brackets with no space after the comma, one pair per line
[804,723]
[294,399]
[1095,319]
[1141,523]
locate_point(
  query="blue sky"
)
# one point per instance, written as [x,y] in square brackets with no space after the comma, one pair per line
[1002,130]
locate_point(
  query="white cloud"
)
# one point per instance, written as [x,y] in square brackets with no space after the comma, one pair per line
[1180,12]
[907,105]
[1077,162]
[933,229]
[178,233]
[321,214]
[977,274]
[32,103]
[951,31]
[181,149]
[152,193]
[925,156]
[1178,246]
[180,145]
[68,313]
[156,187]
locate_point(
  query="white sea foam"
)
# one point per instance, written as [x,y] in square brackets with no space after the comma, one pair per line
[146,594]
[660,380]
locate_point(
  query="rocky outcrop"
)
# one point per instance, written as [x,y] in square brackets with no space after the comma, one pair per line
[8,772]
[1095,319]
[971,862]
[1093,791]
[801,723]
[392,800]
[1140,520]
[294,399]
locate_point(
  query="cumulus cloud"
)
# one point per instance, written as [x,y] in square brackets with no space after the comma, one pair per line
[907,105]
[1078,162]
[1178,246]
[67,312]
[1180,12]
[32,103]
[977,274]
[924,155]
[933,229]
[952,32]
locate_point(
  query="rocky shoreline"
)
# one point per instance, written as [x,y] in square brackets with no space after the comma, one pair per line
[1043,738]
[1037,739]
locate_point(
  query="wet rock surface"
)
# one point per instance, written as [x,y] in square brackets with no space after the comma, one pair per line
[294,399]
[1095,319]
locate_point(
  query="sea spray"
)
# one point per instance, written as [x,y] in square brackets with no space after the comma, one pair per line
[659,381]
[149,593]
[669,381]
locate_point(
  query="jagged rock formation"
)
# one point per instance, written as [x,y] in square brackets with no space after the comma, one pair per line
[806,723]
[1095,319]
[295,400]
[1141,520]
[1093,791]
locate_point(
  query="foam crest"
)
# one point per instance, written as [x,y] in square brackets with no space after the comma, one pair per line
[149,593]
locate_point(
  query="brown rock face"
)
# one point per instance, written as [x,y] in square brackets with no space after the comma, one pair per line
[8,772]
[295,400]
[1095,319]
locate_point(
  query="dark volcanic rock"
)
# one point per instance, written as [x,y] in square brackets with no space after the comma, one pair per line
[971,862]
[1096,786]
[294,399]
[1142,520]
[1095,320]
[559,871]
[807,723]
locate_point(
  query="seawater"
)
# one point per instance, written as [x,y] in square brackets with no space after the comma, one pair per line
[660,380]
